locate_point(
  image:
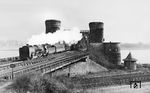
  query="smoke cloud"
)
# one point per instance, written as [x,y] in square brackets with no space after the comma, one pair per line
[70,36]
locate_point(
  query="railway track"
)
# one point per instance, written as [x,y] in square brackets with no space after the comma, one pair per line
[45,65]
[34,61]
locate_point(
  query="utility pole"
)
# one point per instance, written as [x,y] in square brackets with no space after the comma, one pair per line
[69,71]
[12,66]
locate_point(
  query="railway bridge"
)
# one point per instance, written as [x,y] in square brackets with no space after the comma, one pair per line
[42,65]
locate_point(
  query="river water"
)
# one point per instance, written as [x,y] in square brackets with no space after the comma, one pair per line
[143,56]
[7,53]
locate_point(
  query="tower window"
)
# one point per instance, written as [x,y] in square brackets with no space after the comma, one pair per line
[109,49]
[116,49]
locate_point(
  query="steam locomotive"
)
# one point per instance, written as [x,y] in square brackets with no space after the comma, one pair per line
[30,52]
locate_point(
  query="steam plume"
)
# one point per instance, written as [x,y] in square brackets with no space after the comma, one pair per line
[70,36]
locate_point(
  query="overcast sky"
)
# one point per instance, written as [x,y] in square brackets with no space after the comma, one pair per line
[124,20]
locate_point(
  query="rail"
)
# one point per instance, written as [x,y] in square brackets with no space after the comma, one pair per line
[44,66]
[34,61]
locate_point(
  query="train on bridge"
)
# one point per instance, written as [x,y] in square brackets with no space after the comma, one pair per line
[29,52]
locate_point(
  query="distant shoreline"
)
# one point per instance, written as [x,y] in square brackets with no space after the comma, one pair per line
[9,50]
[135,48]
[121,49]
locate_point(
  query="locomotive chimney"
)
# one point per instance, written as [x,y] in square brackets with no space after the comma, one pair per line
[52,25]
[96,32]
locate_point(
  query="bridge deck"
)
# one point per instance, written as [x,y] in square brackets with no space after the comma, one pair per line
[44,65]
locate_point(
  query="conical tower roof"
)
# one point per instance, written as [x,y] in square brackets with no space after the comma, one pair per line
[130,58]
